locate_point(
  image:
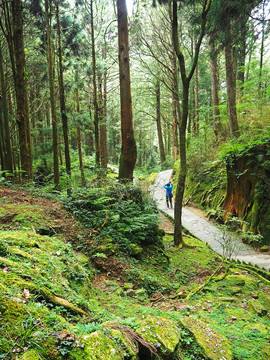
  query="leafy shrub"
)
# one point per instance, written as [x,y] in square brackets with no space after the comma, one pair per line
[122,213]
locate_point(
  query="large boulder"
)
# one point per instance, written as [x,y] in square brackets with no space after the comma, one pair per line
[214,346]
[101,346]
[162,333]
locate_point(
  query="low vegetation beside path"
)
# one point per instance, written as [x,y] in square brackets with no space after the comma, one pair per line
[233,188]
[97,277]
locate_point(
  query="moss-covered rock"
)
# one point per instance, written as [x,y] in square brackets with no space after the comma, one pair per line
[257,308]
[98,346]
[214,346]
[162,333]
[261,328]
[83,259]
[12,314]
[30,355]
[235,284]
[123,339]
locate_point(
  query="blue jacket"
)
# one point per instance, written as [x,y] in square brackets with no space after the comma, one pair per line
[168,190]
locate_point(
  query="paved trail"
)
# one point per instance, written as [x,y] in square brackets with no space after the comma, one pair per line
[204,230]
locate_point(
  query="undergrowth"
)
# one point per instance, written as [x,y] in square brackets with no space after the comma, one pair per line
[122,214]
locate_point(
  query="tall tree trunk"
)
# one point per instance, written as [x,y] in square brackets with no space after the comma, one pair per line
[102,117]
[8,162]
[62,95]
[186,78]
[128,151]
[215,90]
[230,60]
[159,130]
[96,112]
[196,102]
[175,105]
[79,136]
[20,80]
[52,93]
[262,49]
[103,126]
[181,180]
[2,154]
[2,137]
[242,58]
[79,140]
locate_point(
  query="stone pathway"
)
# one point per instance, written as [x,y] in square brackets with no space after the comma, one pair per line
[205,231]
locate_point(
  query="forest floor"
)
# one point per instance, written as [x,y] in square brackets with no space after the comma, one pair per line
[42,268]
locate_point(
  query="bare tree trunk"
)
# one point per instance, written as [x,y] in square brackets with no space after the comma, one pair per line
[215,90]
[62,95]
[2,155]
[52,94]
[103,127]
[159,130]
[196,94]
[262,52]
[79,136]
[242,58]
[186,78]
[175,105]
[181,180]
[20,80]
[7,151]
[128,151]
[96,110]
[231,89]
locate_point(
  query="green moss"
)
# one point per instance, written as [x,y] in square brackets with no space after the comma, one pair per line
[239,285]
[107,248]
[261,328]
[135,250]
[11,309]
[98,346]
[3,288]
[30,355]
[161,333]
[257,308]
[13,314]
[239,313]
[21,238]
[214,346]
[7,262]
[16,251]
[125,342]
[83,259]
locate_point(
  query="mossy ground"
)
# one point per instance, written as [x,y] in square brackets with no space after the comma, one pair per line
[53,297]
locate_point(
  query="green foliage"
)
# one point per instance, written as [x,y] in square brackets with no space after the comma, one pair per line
[83,329]
[189,347]
[244,147]
[122,213]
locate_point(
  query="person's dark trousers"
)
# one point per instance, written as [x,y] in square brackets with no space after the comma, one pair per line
[169,201]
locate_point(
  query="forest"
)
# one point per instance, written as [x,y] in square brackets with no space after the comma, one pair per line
[98,98]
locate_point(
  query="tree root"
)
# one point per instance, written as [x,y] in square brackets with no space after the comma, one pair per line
[184,245]
[206,282]
[163,252]
[48,296]
[263,276]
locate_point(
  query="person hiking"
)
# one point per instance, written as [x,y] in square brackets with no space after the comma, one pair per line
[168,187]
